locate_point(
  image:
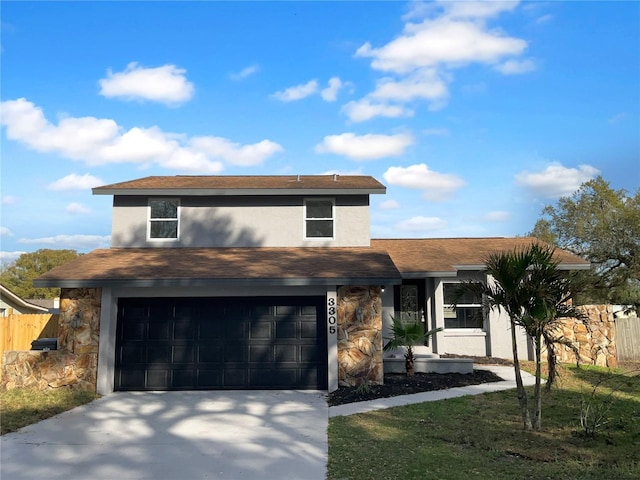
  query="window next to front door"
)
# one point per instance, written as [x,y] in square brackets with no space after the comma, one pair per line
[163,219]
[319,218]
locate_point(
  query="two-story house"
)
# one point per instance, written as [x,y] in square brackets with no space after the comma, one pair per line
[240,282]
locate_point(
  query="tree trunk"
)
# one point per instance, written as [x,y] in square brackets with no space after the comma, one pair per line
[521,392]
[408,362]
[537,394]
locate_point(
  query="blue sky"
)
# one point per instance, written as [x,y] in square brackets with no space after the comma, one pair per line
[473,114]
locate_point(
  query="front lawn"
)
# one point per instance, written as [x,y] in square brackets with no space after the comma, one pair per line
[481,437]
[22,407]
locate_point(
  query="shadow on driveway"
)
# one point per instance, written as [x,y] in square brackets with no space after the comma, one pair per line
[176,435]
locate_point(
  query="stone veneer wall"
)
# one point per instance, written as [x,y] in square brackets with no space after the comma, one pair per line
[75,363]
[594,338]
[360,336]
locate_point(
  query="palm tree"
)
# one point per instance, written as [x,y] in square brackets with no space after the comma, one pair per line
[549,290]
[408,335]
[506,273]
[529,287]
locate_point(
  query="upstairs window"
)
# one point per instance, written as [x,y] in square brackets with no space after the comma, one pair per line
[467,313]
[163,218]
[319,218]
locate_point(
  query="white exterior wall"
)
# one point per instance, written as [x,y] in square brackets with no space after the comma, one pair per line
[109,320]
[241,222]
[493,341]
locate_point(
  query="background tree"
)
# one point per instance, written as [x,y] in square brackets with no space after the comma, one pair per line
[18,276]
[601,225]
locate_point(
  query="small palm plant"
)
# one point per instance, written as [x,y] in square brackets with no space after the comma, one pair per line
[408,335]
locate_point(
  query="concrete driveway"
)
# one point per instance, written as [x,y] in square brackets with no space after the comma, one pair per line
[176,436]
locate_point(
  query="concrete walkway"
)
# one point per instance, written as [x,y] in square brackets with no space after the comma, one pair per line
[504,372]
[176,436]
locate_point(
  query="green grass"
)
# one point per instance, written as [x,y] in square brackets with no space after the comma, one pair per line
[481,437]
[22,407]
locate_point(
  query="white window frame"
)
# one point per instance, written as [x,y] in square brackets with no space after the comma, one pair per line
[332,218]
[150,220]
[466,330]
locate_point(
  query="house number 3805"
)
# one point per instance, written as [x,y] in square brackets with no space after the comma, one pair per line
[331,315]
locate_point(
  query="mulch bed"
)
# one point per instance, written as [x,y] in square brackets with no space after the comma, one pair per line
[399,384]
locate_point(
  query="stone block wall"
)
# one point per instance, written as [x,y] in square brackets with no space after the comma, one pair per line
[360,335]
[74,364]
[594,338]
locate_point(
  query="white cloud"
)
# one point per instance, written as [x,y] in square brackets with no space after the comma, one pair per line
[365,147]
[544,19]
[245,72]
[438,38]
[9,200]
[497,216]
[516,67]
[235,153]
[5,232]
[75,182]
[166,84]
[9,257]
[102,141]
[442,41]
[389,205]
[421,224]
[70,241]
[619,117]
[425,84]
[77,209]
[477,9]
[330,94]
[297,92]
[362,110]
[556,180]
[435,186]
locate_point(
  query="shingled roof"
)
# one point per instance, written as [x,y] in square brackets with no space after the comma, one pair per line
[250,185]
[445,256]
[224,266]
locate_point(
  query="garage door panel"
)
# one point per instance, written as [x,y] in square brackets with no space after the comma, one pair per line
[308,329]
[309,354]
[183,354]
[261,330]
[210,329]
[286,354]
[158,354]
[236,329]
[183,379]
[135,329]
[210,378]
[157,379]
[132,353]
[210,354]
[159,329]
[221,343]
[132,379]
[235,377]
[261,353]
[286,329]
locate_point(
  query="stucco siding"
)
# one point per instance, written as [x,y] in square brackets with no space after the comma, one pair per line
[241,222]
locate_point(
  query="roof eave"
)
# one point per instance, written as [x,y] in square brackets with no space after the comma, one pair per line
[200,192]
[206,282]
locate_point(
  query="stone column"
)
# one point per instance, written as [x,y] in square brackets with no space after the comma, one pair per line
[360,335]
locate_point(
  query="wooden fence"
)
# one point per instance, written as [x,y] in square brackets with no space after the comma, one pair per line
[628,339]
[17,331]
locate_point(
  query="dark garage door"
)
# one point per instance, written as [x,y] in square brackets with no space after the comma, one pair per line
[221,343]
